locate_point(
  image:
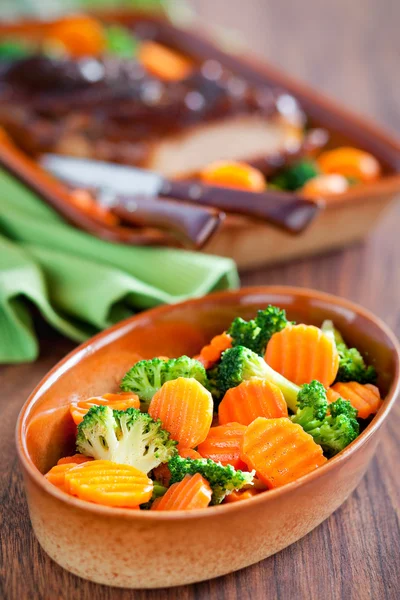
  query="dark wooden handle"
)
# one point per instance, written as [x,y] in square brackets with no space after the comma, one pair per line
[193,227]
[193,224]
[285,210]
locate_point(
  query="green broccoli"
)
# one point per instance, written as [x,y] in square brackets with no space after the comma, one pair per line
[256,333]
[239,364]
[120,41]
[333,426]
[352,366]
[295,176]
[158,491]
[213,385]
[146,377]
[222,480]
[124,436]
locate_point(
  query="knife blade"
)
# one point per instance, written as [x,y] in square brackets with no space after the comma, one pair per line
[288,211]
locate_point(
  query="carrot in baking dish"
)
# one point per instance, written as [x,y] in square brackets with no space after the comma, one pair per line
[365,398]
[211,353]
[350,162]
[163,62]
[108,483]
[280,451]
[251,399]
[80,35]
[119,401]
[234,175]
[190,493]
[185,408]
[302,353]
[223,445]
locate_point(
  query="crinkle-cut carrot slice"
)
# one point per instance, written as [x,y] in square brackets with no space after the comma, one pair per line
[365,398]
[280,451]
[350,162]
[164,62]
[302,353]
[190,493]
[77,459]
[108,483]
[223,445]
[119,401]
[325,186]
[234,174]
[185,408]
[251,399]
[331,395]
[81,35]
[189,453]
[56,475]
[211,353]
[238,495]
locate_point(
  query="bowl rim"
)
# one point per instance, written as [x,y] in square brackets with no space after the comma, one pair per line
[106,336]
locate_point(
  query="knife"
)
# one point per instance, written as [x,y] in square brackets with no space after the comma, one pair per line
[119,185]
[192,225]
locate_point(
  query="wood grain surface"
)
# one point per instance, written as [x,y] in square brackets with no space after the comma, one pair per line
[351,50]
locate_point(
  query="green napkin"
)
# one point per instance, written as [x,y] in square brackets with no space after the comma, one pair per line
[81,284]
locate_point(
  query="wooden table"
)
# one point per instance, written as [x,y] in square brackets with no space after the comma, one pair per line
[351,50]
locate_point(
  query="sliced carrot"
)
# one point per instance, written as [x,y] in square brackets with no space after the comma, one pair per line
[164,62]
[236,496]
[56,475]
[280,451]
[223,445]
[84,200]
[365,398]
[185,408]
[80,35]
[350,162]
[331,395]
[109,483]
[330,184]
[192,492]
[77,459]
[120,401]
[251,399]
[189,453]
[302,353]
[211,353]
[235,175]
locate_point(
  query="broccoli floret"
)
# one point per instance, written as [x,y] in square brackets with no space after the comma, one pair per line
[334,430]
[256,333]
[239,364]
[146,377]
[124,436]
[222,480]
[352,366]
[312,405]
[158,491]
[294,177]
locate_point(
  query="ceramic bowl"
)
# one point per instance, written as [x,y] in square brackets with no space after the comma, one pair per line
[138,549]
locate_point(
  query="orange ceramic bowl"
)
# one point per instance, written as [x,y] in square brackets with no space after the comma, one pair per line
[138,549]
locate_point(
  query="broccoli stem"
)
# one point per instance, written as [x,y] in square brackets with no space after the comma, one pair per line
[289,390]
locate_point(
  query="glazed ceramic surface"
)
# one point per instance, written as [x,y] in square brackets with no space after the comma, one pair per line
[139,549]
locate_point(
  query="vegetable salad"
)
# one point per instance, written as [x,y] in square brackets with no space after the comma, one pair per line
[263,404]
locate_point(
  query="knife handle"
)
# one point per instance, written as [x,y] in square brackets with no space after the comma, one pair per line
[288,211]
[193,225]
